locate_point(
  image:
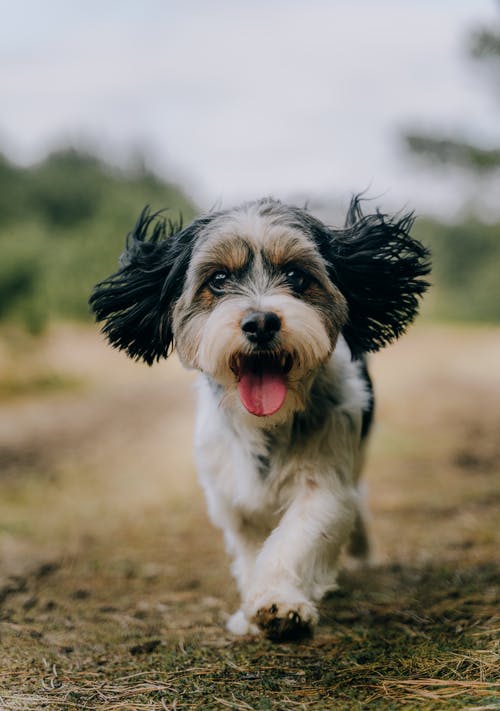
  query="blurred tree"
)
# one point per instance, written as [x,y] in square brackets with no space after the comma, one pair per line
[16,281]
[10,190]
[484,46]
[466,254]
[66,188]
[62,226]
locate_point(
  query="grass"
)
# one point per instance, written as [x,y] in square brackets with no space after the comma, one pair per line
[114,587]
[13,386]
[385,645]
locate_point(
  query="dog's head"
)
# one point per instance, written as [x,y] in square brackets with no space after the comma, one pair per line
[256,297]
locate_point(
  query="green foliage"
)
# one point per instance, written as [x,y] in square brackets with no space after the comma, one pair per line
[466,268]
[484,45]
[20,275]
[67,188]
[62,226]
[460,153]
[466,256]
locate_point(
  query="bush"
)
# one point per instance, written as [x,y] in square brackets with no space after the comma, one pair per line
[466,269]
[63,224]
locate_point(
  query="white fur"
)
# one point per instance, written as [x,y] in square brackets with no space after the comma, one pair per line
[302,334]
[285,531]
[282,486]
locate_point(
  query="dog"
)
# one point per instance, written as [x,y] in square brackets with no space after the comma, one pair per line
[277,312]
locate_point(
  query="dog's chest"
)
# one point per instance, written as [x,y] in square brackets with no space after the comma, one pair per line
[239,468]
[241,471]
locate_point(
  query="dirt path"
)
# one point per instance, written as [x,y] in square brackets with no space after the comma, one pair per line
[114,587]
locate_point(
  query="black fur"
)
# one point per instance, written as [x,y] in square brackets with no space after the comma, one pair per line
[136,302]
[269,445]
[368,412]
[378,268]
[374,262]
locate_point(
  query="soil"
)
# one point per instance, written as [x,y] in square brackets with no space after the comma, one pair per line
[114,586]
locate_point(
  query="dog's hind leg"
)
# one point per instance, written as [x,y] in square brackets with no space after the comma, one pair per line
[359,546]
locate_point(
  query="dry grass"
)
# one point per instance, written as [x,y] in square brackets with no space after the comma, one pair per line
[114,587]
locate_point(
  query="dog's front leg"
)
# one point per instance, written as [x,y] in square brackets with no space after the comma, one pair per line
[297,562]
[244,549]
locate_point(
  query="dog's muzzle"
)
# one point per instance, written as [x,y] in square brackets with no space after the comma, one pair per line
[261,374]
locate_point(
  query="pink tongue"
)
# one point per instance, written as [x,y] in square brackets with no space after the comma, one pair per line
[262,392]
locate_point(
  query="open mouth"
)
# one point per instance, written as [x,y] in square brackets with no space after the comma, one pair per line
[262,384]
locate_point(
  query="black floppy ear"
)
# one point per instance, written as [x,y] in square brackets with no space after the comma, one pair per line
[136,302]
[378,267]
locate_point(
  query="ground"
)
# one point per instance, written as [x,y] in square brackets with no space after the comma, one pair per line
[114,587]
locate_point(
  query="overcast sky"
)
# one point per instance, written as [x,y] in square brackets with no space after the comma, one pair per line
[237,99]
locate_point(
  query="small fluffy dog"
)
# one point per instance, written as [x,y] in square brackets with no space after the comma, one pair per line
[276,310]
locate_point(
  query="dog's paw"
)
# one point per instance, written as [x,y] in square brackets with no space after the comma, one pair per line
[239,624]
[283,621]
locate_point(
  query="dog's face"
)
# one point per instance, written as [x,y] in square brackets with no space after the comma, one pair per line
[258,311]
[256,297]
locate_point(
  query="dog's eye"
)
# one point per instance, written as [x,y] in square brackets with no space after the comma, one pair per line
[297,279]
[217,282]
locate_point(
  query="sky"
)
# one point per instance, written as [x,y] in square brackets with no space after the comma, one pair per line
[236,99]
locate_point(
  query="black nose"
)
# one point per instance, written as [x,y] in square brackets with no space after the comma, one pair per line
[260,327]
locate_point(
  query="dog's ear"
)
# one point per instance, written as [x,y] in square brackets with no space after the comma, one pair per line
[135,303]
[378,267]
